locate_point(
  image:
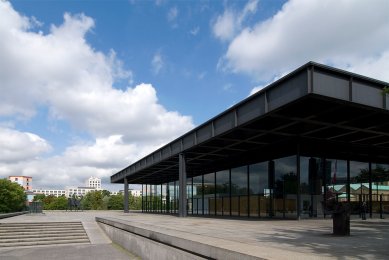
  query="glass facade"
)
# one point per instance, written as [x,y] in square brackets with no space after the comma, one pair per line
[289,187]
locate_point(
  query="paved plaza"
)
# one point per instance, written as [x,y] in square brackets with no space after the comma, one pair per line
[267,239]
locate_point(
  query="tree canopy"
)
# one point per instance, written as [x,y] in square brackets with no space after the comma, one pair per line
[12,196]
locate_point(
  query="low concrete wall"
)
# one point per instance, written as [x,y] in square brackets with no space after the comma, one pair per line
[144,247]
[13,214]
[153,244]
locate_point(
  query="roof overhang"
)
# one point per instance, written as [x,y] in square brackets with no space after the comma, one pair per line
[316,109]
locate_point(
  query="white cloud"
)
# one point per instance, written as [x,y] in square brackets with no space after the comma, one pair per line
[347,34]
[20,146]
[172,14]
[101,158]
[157,63]
[63,72]
[226,25]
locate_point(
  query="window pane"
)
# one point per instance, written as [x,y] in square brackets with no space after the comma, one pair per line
[239,191]
[197,195]
[259,186]
[209,193]
[223,192]
[285,187]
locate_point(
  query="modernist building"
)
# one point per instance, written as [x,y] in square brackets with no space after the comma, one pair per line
[315,135]
[78,191]
[49,192]
[94,182]
[24,181]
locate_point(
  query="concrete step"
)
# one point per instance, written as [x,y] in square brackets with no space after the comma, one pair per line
[41,223]
[19,239]
[44,235]
[49,233]
[2,230]
[39,226]
[41,243]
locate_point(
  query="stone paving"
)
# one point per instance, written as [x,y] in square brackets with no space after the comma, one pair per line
[280,239]
[273,239]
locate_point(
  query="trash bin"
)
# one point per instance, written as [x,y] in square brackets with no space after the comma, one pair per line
[36,207]
[341,222]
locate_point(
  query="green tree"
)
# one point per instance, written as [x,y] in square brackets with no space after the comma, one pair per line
[39,197]
[115,202]
[48,202]
[12,196]
[106,193]
[135,203]
[59,203]
[93,200]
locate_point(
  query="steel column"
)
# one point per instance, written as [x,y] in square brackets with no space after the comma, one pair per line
[126,198]
[182,186]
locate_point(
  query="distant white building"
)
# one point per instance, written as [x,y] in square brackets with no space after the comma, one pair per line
[48,192]
[136,193]
[94,182]
[78,191]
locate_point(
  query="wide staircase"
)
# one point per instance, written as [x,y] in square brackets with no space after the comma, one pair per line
[40,234]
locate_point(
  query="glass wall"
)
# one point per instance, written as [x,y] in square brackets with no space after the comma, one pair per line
[239,191]
[259,190]
[311,187]
[173,203]
[270,189]
[164,198]
[223,193]
[285,187]
[198,195]
[380,190]
[209,194]
[359,187]
[189,195]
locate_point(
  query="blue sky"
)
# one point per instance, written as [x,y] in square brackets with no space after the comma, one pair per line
[91,86]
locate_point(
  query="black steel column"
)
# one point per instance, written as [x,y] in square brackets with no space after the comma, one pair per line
[126,195]
[298,181]
[142,199]
[271,181]
[348,182]
[370,192]
[182,186]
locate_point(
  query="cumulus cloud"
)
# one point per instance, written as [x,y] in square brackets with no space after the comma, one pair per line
[347,34]
[16,146]
[226,25]
[101,158]
[60,70]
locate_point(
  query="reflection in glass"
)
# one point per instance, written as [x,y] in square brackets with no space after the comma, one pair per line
[209,193]
[223,192]
[380,189]
[239,191]
[189,195]
[259,189]
[197,195]
[285,187]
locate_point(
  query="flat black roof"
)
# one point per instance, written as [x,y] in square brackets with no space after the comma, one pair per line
[322,109]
